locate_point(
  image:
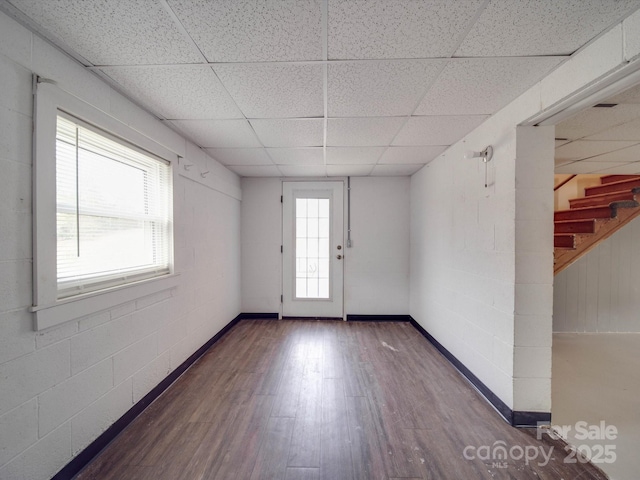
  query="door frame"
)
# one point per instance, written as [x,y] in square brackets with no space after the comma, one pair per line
[288,247]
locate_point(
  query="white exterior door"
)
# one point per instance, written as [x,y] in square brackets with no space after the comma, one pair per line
[313,249]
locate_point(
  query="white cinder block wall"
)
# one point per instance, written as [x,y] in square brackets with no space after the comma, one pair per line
[377,264]
[60,388]
[600,293]
[376,269]
[481,258]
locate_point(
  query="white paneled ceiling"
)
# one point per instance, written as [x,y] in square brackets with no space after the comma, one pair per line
[289,132]
[332,87]
[540,27]
[602,139]
[475,86]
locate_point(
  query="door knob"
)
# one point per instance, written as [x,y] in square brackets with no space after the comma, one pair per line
[339,257]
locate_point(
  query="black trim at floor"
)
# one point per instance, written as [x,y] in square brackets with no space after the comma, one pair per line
[257,316]
[378,318]
[94,448]
[313,318]
[513,417]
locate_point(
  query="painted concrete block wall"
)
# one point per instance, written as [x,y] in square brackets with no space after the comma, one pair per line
[377,264]
[474,286]
[376,268]
[534,268]
[60,388]
[261,240]
[599,292]
[462,255]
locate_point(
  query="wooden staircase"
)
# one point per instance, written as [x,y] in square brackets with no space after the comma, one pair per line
[603,210]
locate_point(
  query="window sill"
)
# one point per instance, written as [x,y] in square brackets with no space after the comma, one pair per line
[73,308]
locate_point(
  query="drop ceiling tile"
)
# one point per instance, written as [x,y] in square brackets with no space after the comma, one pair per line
[411,155]
[297,156]
[581,149]
[380,88]
[176,92]
[483,86]
[363,131]
[275,90]
[559,163]
[627,131]
[256,170]
[139,32]
[290,132]
[586,167]
[250,31]
[392,29]
[303,170]
[240,156]
[543,27]
[349,170]
[631,95]
[630,154]
[395,170]
[437,130]
[594,120]
[628,169]
[353,155]
[219,133]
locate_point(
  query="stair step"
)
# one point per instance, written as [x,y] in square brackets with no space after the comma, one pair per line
[613,187]
[603,199]
[575,226]
[564,241]
[616,178]
[583,213]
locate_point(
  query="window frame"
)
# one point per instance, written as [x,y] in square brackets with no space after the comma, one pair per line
[49,310]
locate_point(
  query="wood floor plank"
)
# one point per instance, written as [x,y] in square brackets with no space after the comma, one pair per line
[288,393]
[310,400]
[174,459]
[305,441]
[297,473]
[332,358]
[272,457]
[366,453]
[335,451]
[242,441]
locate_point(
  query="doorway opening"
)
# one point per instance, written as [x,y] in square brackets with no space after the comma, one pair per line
[596,328]
[312,253]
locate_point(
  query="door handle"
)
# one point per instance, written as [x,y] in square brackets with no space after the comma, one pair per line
[339,257]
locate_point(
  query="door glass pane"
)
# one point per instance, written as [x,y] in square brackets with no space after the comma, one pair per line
[312,247]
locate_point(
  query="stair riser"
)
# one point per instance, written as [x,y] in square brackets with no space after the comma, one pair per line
[616,178]
[567,241]
[591,213]
[601,201]
[583,226]
[612,187]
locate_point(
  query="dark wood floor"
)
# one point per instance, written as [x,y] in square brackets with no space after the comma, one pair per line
[307,400]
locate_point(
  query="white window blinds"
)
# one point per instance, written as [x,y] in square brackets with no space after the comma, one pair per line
[114,205]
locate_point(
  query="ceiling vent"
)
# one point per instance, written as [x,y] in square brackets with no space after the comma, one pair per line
[605,105]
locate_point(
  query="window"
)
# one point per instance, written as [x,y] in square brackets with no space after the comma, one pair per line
[102,208]
[113,207]
[312,247]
